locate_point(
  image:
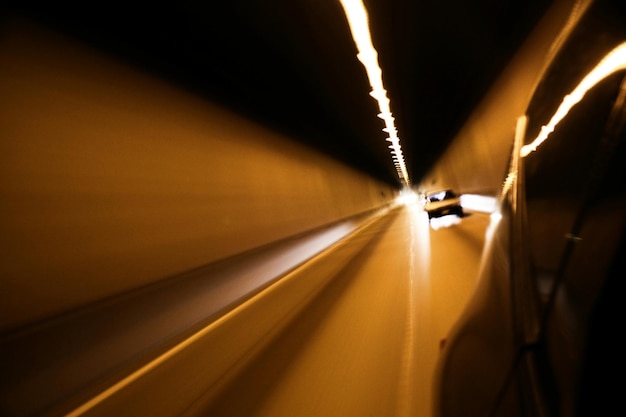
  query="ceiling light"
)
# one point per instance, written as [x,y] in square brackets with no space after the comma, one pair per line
[366,53]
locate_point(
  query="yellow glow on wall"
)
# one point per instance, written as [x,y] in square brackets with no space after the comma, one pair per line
[614,61]
[366,53]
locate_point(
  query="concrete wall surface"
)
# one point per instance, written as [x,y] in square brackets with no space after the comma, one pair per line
[111,179]
[476,162]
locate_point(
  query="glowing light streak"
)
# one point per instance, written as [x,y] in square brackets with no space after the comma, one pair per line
[614,61]
[479,203]
[437,223]
[366,53]
[406,197]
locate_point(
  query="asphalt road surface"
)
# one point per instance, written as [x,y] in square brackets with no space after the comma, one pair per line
[353,331]
[367,344]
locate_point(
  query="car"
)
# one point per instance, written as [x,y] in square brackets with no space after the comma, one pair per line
[540,336]
[442,203]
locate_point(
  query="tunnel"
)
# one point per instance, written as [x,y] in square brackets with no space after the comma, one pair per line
[164,254]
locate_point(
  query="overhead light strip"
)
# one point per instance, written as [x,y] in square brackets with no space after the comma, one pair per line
[366,53]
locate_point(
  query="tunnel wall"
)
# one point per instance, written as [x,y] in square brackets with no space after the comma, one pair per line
[476,161]
[111,179]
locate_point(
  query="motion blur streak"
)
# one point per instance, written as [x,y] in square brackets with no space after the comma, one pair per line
[112,179]
[368,342]
[406,197]
[481,203]
[444,221]
[419,278]
[359,25]
[614,61]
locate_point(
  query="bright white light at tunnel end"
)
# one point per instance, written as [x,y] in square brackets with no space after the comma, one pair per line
[407,197]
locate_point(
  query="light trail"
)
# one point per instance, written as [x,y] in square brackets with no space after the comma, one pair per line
[614,61]
[366,53]
[479,203]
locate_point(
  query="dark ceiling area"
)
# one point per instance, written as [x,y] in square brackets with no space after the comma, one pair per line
[291,64]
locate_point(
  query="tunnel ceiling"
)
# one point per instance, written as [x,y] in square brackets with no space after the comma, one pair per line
[291,65]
